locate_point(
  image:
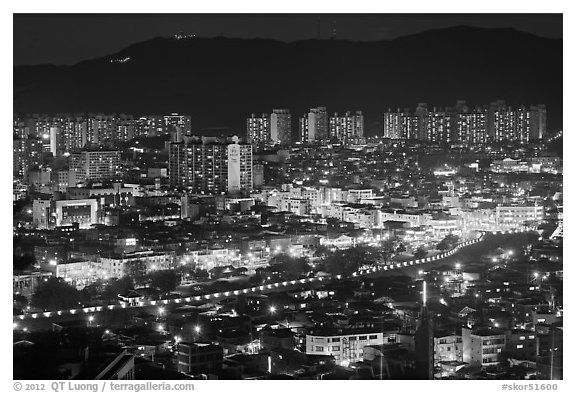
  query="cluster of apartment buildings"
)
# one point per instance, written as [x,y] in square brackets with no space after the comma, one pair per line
[460,124]
[314,126]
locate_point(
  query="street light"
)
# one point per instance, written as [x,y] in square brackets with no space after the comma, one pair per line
[272,309]
[197,329]
[90,319]
[160,311]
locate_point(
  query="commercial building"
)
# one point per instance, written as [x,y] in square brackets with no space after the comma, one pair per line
[81,211]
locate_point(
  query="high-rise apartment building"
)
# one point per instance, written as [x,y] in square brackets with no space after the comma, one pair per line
[27,153]
[421,114]
[348,128]
[314,125]
[281,126]
[90,165]
[537,122]
[438,127]
[258,129]
[211,165]
[470,128]
[394,124]
[459,124]
[174,121]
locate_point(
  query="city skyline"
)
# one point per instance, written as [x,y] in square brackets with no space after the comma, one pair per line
[207,208]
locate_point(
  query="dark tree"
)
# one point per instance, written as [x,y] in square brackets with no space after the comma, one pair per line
[420,253]
[92,291]
[137,271]
[322,252]
[291,267]
[201,274]
[55,294]
[450,241]
[24,261]
[345,262]
[401,248]
[164,280]
[20,301]
[118,286]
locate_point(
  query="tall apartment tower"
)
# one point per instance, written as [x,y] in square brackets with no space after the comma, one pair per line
[537,121]
[438,127]
[314,125]
[281,126]
[345,129]
[210,165]
[258,129]
[178,123]
[511,124]
[421,114]
[393,124]
[471,128]
[424,342]
[495,107]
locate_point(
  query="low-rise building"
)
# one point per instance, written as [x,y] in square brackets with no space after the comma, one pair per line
[345,345]
[482,346]
[199,358]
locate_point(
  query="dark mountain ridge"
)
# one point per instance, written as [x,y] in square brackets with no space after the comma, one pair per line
[221,81]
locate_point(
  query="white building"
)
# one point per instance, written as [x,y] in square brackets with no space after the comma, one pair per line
[76,273]
[448,348]
[81,211]
[482,347]
[355,196]
[516,216]
[346,347]
[281,126]
[115,266]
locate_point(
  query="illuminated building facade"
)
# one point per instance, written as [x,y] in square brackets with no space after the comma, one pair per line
[314,125]
[348,128]
[281,126]
[211,165]
[258,129]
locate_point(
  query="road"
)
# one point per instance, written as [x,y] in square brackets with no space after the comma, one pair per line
[106,313]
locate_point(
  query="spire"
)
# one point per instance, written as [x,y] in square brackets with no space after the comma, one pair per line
[424,294]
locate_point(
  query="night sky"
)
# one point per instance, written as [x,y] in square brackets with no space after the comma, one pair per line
[67,39]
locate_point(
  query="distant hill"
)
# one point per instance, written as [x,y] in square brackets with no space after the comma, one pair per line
[220,81]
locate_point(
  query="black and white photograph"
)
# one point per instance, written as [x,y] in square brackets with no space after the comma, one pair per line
[287,196]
